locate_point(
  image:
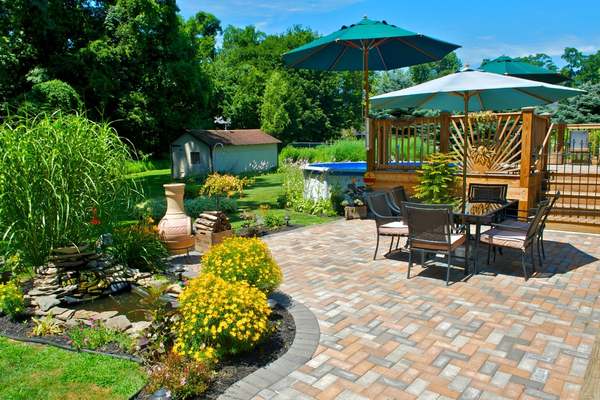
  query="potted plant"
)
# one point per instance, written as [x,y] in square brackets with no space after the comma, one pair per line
[354,205]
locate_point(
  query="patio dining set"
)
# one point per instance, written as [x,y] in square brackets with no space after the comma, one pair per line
[441,229]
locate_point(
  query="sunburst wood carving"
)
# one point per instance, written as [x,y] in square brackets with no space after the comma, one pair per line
[494,143]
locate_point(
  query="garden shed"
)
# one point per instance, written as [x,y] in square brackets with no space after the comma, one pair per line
[201,151]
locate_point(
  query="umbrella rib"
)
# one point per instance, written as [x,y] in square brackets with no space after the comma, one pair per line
[381,56]
[338,58]
[480,100]
[433,58]
[318,50]
[533,95]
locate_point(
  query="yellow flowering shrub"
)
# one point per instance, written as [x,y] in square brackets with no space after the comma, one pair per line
[11,299]
[243,259]
[224,185]
[219,317]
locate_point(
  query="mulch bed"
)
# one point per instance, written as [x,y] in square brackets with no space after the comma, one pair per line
[233,369]
[21,329]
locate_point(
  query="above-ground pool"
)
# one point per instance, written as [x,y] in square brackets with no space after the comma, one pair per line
[320,179]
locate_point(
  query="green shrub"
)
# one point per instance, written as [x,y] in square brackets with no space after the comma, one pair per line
[11,299]
[293,194]
[220,318]
[98,335]
[139,246]
[342,150]
[195,207]
[14,264]
[62,181]
[273,221]
[183,377]
[438,180]
[51,96]
[156,208]
[243,259]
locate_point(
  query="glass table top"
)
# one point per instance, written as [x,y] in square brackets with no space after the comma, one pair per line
[482,209]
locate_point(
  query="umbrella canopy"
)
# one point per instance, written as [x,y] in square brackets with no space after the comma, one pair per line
[507,66]
[368,45]
[485,91]
[388,47]
[470,90]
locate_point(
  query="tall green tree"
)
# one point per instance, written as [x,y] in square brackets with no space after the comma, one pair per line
[539,59]
[253,87]
[428,71]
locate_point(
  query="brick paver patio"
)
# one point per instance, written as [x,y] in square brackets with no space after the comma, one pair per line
[491,336]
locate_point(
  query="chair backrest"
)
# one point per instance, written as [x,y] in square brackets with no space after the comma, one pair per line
[398,195]
[378,204]
[487,192]
[429,223]
[536,223]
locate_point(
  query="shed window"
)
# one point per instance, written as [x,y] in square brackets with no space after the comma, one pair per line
[195,155]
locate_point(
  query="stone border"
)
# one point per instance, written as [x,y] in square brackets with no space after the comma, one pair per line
[300,352]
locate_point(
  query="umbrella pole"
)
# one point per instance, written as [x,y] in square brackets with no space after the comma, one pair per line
[465,151]
[366,79]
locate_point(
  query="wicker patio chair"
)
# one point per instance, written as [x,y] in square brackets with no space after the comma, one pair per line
[397,196]
[487,192]
[524,226]
[521,240]
[430,230]
[388,223]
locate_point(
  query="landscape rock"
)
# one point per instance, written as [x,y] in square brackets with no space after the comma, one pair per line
[56,310]
[107,315]
[137,328]
[47,302]
[85,314]
[66,316]
[120,323]
[174,289]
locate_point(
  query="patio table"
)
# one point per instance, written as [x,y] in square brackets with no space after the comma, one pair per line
[479,213]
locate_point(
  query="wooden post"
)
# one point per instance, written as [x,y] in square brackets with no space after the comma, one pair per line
[527,141]
[560,138]
[371,139]
[444,131]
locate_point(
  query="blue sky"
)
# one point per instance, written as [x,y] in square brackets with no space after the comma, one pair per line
[508,27]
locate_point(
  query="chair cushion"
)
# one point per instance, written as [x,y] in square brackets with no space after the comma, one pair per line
[513,224]
[455,242]
[504,238]
[396,228]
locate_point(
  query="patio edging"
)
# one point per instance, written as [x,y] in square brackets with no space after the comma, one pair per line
[300,352]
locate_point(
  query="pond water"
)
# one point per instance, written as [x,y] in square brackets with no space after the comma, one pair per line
[126,303]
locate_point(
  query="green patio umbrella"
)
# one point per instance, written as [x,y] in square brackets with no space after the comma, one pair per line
[508,66]
[470,90]
[368,45]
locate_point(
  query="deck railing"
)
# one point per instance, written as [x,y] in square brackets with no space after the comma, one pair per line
[501,143]
[403,144]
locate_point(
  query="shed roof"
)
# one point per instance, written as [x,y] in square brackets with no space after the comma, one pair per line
[235,137]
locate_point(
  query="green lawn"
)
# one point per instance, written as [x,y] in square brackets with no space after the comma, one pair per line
[265,190]
[49,373]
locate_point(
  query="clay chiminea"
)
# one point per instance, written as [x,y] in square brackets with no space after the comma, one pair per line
[175,228]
